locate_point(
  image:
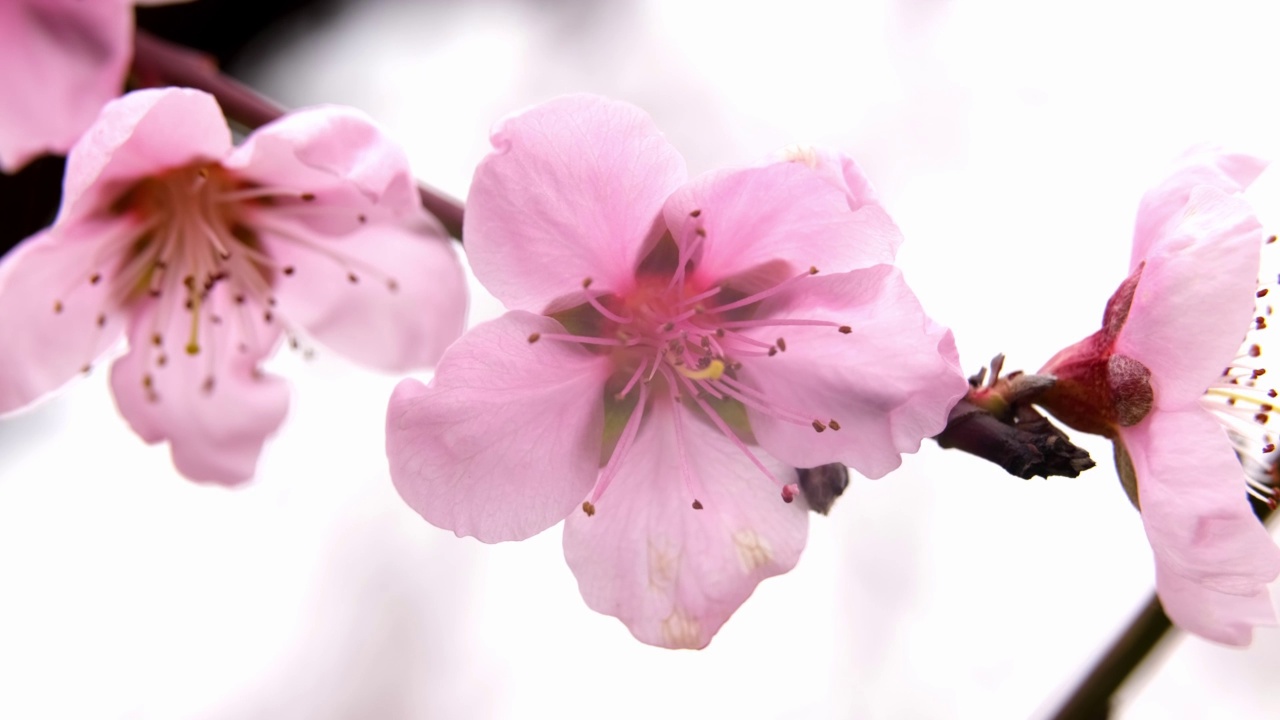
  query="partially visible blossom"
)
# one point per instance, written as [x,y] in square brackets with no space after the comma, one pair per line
[60,62]
[674,349]
[207,256]
[1167,334]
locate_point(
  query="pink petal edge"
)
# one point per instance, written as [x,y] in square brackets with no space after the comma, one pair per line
[216,408]
[505,441]
[889,383]
[671,573]
[572,190]
[1192,494]
[140,135]
[1178,297]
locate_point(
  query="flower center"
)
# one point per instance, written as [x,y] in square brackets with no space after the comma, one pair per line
[1244,400]
[676,332]
[179,239]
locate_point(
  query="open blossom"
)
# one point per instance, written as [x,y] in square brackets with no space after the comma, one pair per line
[674,349]
[206,256]
[60,62]
[1167,334]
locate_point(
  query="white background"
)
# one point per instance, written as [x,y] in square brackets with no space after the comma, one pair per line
[1011,141]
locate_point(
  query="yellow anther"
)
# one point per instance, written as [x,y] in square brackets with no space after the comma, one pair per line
[713,371]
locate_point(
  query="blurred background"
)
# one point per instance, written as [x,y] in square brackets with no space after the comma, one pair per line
[1010,140]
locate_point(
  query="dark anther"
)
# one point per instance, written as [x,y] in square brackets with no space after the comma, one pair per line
[588,508]
[533,337]
[697,505]
[822,485]
[288,270]
[782,345]
[833,424]
[95,278]
[845,329]
[817,425]
[696,213]
[352,278]
[308,197]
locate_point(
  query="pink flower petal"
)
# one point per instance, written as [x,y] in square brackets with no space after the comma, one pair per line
[674,574]
[141,134]
[56,320]
[1192,494]
[59,63]
[505,441]
[214,406]
[783,211]
[1199,283]
[573,190]
[339,157]
[839,170]
[1162,207]
[1221,617]
[406,303]
[889,383]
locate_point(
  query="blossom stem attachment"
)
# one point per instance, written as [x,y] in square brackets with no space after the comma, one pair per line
[995,421]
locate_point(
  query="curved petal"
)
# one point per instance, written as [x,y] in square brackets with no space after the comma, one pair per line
[674,574]
[139,135]
[213,406]
[843,172]
[573,190]
[505,441]
[1191,490]
[783,211]
[1221,617]
[407,303]
[1200,283]
[59,63]
[56,320]
[1162,207]
[889,383]
[339,158]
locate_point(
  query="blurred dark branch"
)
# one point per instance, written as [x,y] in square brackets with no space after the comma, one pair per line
[1092,697]
[157,63]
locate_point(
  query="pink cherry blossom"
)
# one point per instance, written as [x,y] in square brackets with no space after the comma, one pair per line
[206,256]
[1168,332]
[674,349]
[60,62]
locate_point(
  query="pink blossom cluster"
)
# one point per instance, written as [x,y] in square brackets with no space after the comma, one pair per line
[207,257]
[677,355]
